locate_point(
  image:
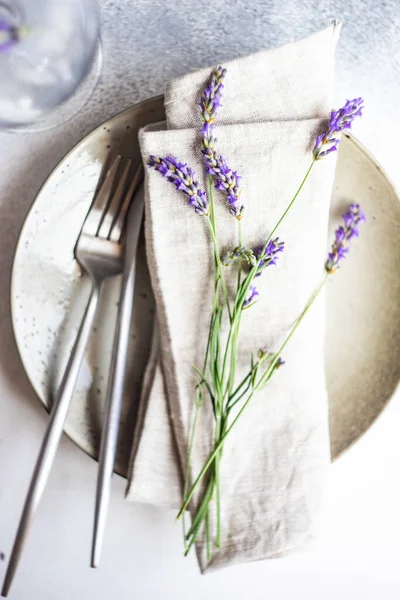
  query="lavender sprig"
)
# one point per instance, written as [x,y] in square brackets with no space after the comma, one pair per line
[211,97]
[9,35]
[183,178]
[352,218]
[339,120]
[264,257]
[221,364]
[268,255]
[225,179]
[340,247]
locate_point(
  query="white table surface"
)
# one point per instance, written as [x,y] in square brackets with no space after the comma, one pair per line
[145,44]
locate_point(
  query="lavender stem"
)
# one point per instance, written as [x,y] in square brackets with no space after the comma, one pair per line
[240,260]
[219,265]
[199,400]
[290,203]
[252,273]
[264,378]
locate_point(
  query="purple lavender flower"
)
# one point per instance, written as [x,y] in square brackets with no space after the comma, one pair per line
[340,247]
[254,293]
[279,363]
[339,120]
[211,98]
[9,35]
[225,179]
[183,179]
[270,254]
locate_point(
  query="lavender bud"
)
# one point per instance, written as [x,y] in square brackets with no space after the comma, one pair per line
[183,178]
[9,35]
[211,97]
[225,179]
[270,254]
[339,120]
[241,253]
[346,232]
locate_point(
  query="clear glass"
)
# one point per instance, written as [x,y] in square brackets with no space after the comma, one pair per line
[48,49]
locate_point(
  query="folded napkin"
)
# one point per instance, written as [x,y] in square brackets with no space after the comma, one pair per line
[275,460]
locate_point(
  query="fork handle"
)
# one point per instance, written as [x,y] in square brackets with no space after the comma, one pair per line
[52,437]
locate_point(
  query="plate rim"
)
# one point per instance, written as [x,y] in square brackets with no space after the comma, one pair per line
[12,298]
[353,139]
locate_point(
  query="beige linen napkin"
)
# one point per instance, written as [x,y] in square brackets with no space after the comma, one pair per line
[275,461]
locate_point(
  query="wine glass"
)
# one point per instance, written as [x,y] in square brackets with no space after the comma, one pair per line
[50,58]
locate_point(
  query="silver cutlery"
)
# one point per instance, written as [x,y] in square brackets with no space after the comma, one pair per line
[115,390]
[99,252]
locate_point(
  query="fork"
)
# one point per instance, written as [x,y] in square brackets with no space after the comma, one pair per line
[99,252]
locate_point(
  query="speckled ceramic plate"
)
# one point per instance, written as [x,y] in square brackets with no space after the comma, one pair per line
[48,293]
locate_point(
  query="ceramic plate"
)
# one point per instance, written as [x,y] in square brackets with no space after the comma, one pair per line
[48,293]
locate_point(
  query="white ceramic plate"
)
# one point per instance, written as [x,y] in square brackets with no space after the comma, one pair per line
[48,293]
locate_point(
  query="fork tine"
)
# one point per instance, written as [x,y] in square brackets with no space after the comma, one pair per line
[113,206]
[118,227]
[99,205]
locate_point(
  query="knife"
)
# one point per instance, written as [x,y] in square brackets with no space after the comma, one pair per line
[109,439]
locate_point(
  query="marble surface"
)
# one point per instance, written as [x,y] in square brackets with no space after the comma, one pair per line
[145,44]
